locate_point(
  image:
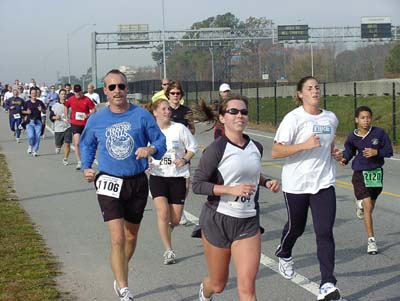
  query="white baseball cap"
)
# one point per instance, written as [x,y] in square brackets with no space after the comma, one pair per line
[224,87]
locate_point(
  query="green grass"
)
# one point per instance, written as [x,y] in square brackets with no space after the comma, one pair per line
[343,107]
[27,268]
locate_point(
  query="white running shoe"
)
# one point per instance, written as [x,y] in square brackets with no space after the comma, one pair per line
[183,220]
[359,209]
[169,257]
[329,292]
[29,150]
[65,161]
[34,154]
[18,140]
[201,295]
[124,294]
[58,150]
[286,267]
[79,165]
[372,247]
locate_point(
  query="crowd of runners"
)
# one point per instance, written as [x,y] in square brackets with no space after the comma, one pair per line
[142,150]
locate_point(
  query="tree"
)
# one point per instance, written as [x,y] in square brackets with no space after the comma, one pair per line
[392,62]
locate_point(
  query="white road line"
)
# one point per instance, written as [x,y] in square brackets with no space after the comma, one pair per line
[270,263]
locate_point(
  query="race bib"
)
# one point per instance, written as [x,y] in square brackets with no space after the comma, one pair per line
[167,159]
[16,116]
[80,116]
[241,202]
[373,178]
[109,186]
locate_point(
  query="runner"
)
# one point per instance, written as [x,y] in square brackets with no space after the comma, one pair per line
[305,138]
[167,176]
[62,129]
[224,93]
[369,145]
[81,109]
[33,108]
[229,172]
[121,133]
[14,106]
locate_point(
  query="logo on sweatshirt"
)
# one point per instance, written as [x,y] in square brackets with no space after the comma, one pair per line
[119,143]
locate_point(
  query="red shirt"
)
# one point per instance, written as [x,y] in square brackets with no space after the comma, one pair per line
[80,108]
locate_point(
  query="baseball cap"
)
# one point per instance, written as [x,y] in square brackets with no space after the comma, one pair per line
[77,88]
[224,87]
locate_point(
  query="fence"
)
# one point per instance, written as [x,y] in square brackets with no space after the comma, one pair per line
[269,102]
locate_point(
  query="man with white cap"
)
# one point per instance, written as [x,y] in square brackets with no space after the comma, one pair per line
[224,93]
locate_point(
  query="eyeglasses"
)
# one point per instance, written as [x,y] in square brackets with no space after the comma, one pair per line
[165,84]
[234,111]
[175,93]
[113,86]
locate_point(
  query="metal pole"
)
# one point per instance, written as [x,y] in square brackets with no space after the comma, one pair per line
[212,67]
[69,62]
[394,112]
[312,60]
[94,60]
[163,40]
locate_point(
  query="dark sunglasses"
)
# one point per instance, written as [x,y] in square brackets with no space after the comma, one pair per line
[234,111]
[113,86]
[165,84]
[175,93]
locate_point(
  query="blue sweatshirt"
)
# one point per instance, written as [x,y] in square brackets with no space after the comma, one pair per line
[117,136]
[376,138]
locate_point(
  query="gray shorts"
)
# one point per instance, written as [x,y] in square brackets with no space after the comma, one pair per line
[222,230]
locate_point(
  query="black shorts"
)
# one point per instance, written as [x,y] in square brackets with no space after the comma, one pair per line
[77,129]
[174,189]
[360,191]
[132,200]
[222,230]
[63,137]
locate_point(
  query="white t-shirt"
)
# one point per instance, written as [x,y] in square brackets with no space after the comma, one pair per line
[179,139]
[311,170]
[94,97]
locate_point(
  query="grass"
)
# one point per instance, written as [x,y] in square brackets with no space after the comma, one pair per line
[343,107]
[27,268]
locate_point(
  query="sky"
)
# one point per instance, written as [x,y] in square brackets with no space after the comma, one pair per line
[33,34]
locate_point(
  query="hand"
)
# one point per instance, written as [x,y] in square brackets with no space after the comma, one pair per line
[337,154]
[312,142]
[179,162]
[89,174]
[273,185]
[369,152]
[28,111]
[342,162]
[40,108]
[142,152]
[244,189]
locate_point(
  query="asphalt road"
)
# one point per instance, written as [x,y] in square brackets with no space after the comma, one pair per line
[65,211]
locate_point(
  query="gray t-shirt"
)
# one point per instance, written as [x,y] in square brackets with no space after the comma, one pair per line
[60,125]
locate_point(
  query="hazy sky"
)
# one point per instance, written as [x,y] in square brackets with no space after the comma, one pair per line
[33,33]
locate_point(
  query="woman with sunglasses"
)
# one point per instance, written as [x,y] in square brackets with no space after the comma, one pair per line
[180,114]
[168,174]
[305,138]
[229,173]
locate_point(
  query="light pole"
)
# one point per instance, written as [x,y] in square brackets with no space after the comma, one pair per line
[212,67]
[68,55]
[163,40]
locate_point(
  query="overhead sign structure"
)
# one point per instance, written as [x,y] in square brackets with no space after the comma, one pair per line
[376,28]
[293,33]
[133,34]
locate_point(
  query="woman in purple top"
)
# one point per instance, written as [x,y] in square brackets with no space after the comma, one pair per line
[369,145]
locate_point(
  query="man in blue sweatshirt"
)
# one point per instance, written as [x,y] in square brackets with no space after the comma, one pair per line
[14,106]
[124,135]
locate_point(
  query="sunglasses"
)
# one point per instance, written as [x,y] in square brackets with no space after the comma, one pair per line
[175,93]
[234,111]
[165,84]
[113,86]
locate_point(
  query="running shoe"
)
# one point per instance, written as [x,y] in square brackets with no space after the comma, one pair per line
[79,165]
[359,209]
[124,294]
[201,295]
[169,257]
[29,150]
[329,292]
[65,161]
[58,150]
[183,220]
[34,154]
[18,140]
[372,247]
[286,267]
